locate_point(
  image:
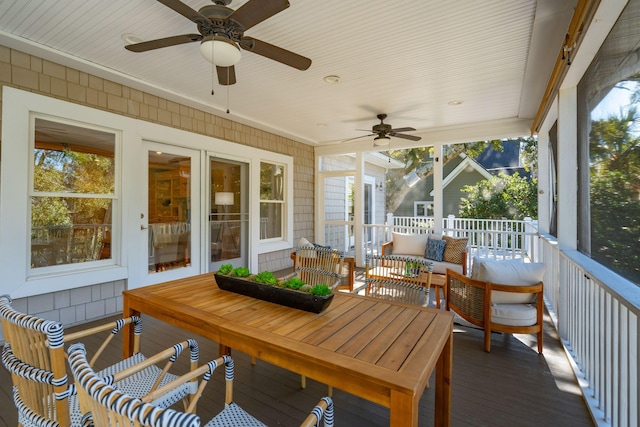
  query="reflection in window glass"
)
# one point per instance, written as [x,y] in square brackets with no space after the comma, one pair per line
[72,194]
[271,200]
[609,101]
[169,211]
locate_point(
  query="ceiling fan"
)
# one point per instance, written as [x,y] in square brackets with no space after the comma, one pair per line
[222,35]
[383,131]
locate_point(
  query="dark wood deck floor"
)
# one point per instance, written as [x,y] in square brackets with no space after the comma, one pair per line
[511,386]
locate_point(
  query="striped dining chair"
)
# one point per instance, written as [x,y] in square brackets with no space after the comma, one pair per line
[34,354]
[108,406]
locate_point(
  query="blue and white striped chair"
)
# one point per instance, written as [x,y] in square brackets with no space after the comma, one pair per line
[34,354]
[108,406]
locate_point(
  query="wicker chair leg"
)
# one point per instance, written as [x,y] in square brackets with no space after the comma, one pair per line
[540,334]
[487,338]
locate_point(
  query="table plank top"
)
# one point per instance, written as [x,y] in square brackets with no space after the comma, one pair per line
[378,345]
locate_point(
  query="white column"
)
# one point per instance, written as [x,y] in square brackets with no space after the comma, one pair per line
[437,188]
[358,209]
[545,192]
[567,169]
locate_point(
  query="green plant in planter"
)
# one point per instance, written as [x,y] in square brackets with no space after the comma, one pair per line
[266,277]
[320,290]
[225,269]
[241,272]
[294,283]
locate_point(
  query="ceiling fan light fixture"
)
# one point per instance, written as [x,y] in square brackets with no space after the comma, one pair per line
[220,51]
[381,140]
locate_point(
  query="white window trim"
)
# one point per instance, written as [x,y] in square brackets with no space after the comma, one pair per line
[19,109]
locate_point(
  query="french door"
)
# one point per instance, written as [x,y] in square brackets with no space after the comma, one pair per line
[228,207]
[172,226]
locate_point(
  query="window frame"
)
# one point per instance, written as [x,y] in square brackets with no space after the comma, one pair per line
[286,240]
[19,112]
[114,197]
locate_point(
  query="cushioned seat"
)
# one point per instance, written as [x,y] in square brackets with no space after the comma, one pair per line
[502,296]
[451,255]
[513,314]
[107,405]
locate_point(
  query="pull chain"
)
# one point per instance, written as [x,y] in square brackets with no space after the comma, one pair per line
[228,84]
[213,69]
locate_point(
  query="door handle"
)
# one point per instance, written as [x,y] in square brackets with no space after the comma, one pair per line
[142,227]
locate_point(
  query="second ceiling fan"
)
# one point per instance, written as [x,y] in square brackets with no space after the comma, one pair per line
[222,35]
[383,131]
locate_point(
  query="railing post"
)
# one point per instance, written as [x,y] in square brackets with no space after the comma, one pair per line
[449,224]
[390,226]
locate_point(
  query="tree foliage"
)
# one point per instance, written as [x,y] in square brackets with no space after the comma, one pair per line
[420,160]
[615,193]
[501,197]
[70,172]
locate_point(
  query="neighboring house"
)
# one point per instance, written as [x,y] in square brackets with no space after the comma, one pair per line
[339,195]
[457,173]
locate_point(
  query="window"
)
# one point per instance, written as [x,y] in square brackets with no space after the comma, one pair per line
[272,203]
[71,194]
[609,149]
[423,209]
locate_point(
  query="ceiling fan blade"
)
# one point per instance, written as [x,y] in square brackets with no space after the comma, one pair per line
[357,137]
[187,12]
[226,75]
[404,136]
[402,130]
[165,42]
[254,12]
[276,53]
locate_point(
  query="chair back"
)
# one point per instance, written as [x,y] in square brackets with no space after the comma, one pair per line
[407,269]
[318,265]
[396,290]
[108,406]
[34,355]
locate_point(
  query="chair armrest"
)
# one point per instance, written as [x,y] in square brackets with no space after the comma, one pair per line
[351,271]
[324,408]
[464,263]
[387,248]
[467,297]
[517,289]
[115,327]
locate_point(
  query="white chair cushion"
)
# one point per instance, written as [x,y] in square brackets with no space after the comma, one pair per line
[514,314]
[409,244]
[510,272]
[234,416]
[441,267]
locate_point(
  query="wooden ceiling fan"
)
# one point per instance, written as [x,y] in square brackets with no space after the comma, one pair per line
[221,34]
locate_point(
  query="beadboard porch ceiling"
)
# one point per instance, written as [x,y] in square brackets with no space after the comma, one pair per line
[410,59]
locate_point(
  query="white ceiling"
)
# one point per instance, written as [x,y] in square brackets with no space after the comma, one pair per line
[405,58]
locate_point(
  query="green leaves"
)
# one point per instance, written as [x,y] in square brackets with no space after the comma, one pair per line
[501,197]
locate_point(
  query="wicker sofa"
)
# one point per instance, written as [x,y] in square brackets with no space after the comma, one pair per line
[415,245]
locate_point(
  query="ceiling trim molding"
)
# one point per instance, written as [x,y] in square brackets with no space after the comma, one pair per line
[27,46]
[469,132]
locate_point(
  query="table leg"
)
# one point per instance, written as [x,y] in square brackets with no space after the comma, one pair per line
[403,409]
[224,350]
[444,370]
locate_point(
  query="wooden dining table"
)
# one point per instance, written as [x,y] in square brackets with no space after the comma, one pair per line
[379,350]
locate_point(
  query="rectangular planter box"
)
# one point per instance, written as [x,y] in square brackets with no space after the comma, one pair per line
[287,297]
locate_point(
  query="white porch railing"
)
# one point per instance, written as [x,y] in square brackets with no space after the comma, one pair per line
[596,312]
[499,239]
